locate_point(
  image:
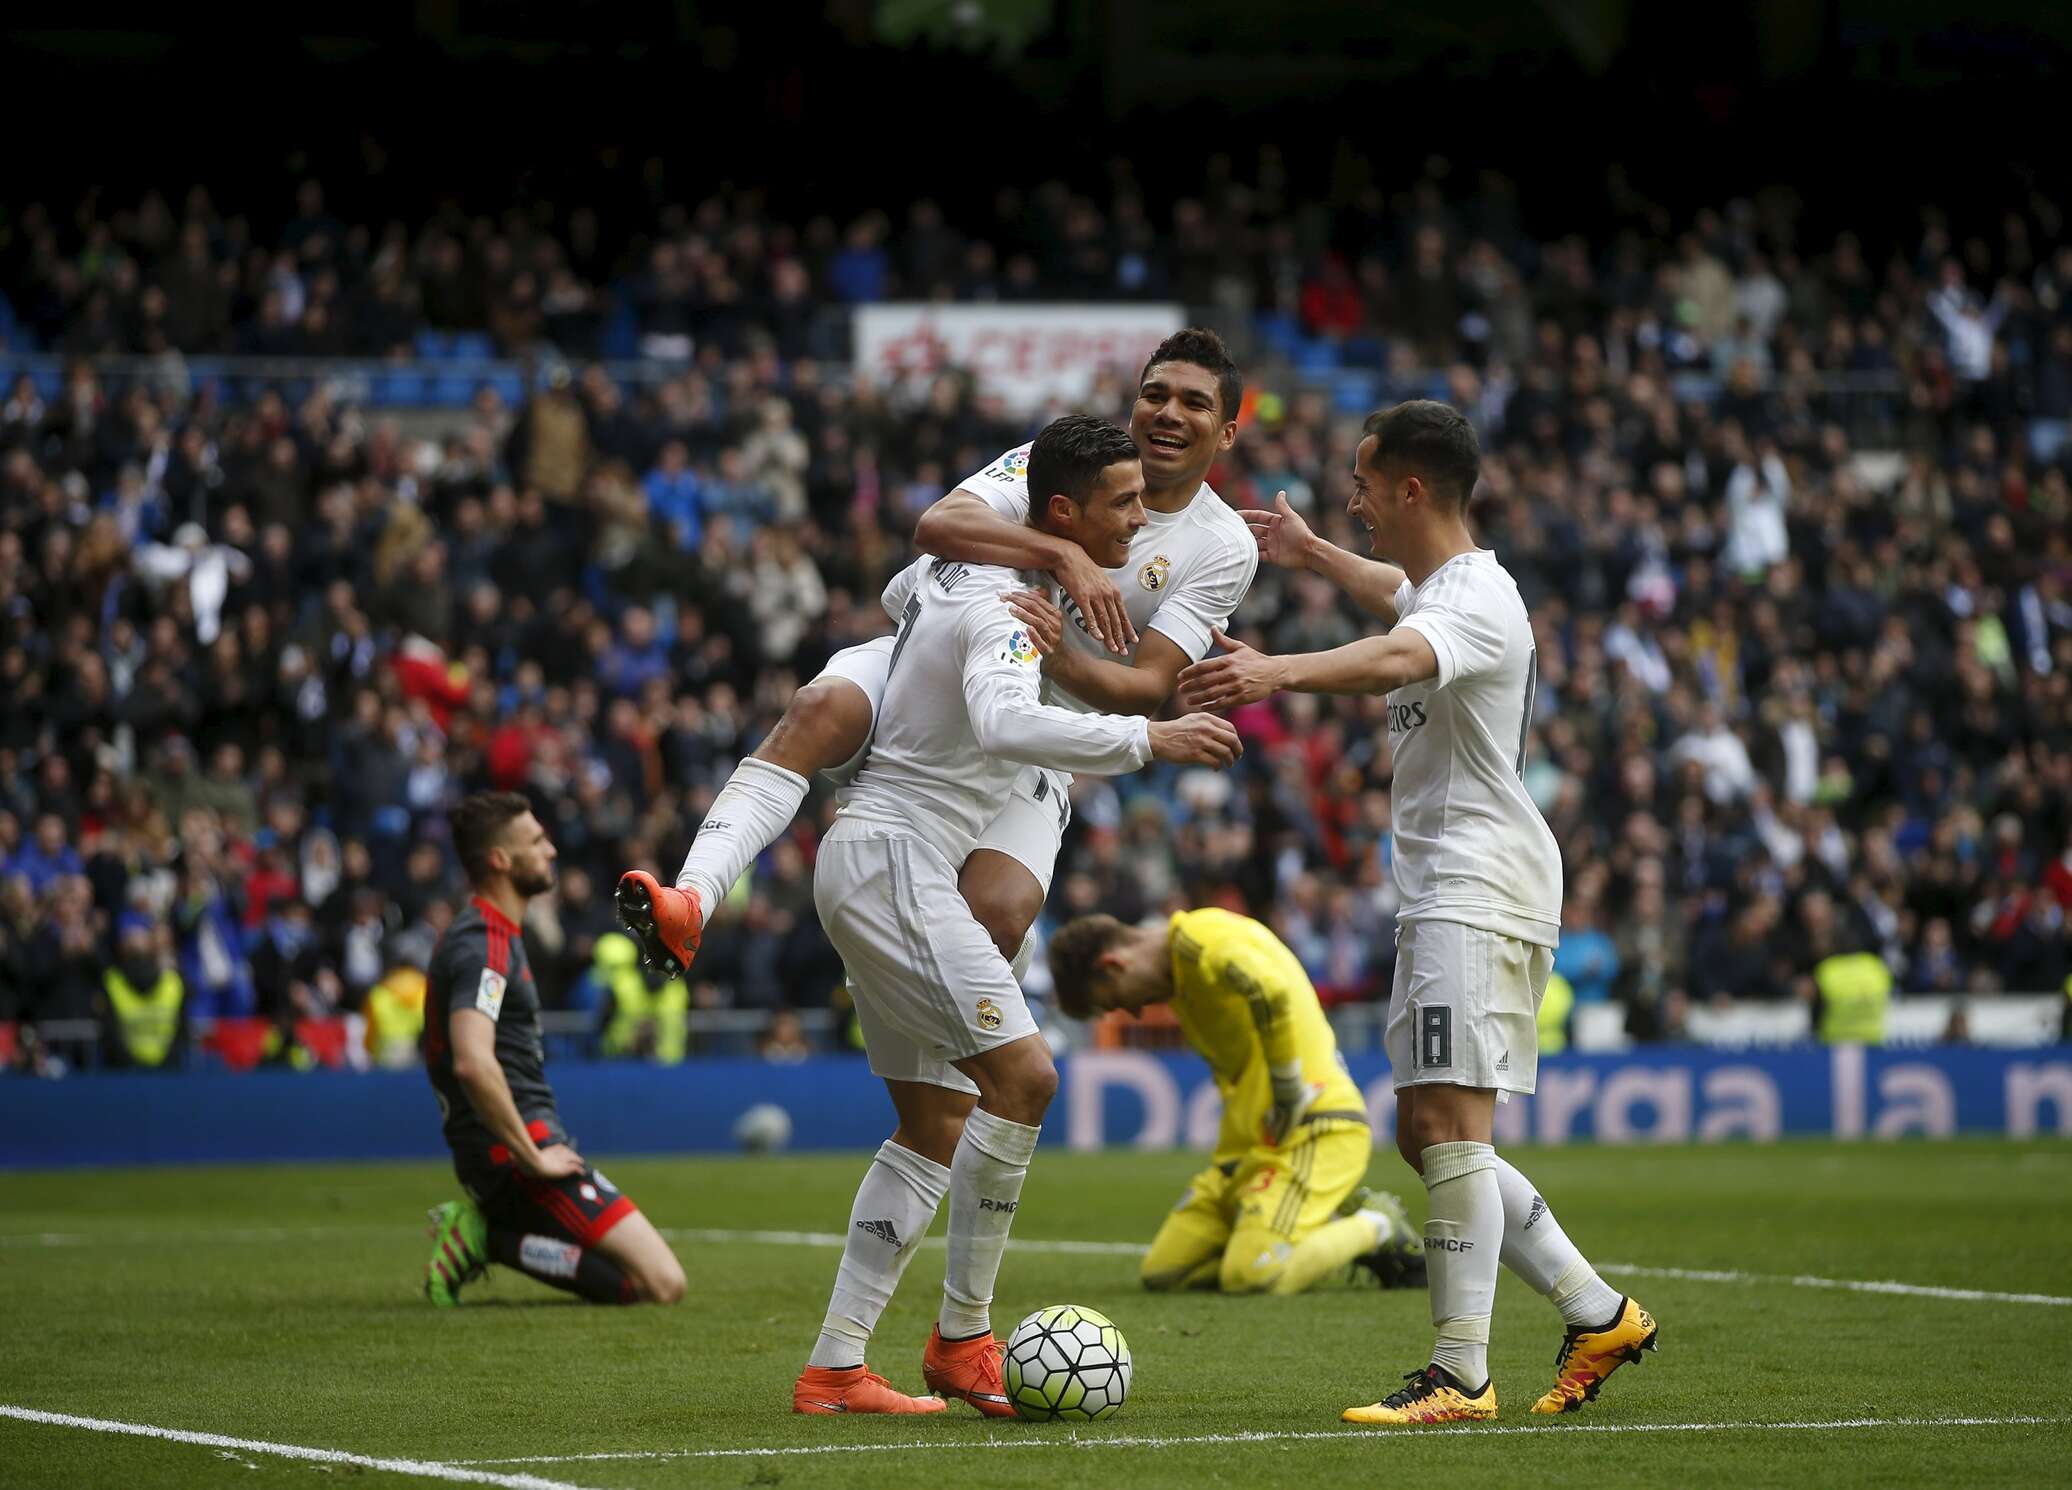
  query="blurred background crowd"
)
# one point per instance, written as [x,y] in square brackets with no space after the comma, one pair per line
[1792,517]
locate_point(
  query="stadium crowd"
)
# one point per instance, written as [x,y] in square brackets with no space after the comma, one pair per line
[1793,521]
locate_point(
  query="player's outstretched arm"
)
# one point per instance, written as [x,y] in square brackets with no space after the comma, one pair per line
[475,1067]
[964,526]
[1285,539]
[1243,675]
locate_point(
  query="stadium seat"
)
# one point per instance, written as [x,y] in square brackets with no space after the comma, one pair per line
[1317,356]
[1355,392]
[1280,331]
[434,346]
[398,390]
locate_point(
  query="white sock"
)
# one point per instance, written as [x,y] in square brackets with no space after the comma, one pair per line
[986,1175]
[1539,1251]
[1023,955]
[1462,1241]
[894,1206]
[752,809]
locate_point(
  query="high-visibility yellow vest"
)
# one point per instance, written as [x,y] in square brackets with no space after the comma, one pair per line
[1556,1005]
[395,1017]
[149,1022]
[635,1005]
[1855,991]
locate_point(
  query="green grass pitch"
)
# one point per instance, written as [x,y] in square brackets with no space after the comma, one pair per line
[279,1304]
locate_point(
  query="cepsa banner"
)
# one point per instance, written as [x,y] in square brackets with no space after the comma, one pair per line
[1026,354]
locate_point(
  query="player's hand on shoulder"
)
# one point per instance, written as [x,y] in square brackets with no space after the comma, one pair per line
[1045,621]
[1283,536]
[1195,740]
[1242,675]
[1099,601]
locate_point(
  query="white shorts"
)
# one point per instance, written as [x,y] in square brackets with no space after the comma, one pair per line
[930,987]
[1465,1008]
[867,666]
[1031,827]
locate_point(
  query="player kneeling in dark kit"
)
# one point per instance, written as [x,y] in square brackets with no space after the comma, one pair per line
[532,1202]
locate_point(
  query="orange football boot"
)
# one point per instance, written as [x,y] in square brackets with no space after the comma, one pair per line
[824,1390]
[667,922]
[969,1369]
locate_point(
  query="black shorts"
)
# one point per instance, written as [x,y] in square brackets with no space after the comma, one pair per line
[579,1208]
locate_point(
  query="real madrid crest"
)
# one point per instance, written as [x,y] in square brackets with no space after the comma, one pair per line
[1154,575]
[988,1015]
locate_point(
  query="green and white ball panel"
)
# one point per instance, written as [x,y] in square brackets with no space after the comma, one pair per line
[1067,1362]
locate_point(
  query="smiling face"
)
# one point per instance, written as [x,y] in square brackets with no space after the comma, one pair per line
[1110,516]
[1378,497]
[1179,424]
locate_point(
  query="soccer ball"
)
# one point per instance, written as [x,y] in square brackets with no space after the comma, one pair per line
[1066,1362]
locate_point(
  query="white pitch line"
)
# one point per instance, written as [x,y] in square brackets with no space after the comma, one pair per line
[1851,1285]
[423,1468]
[1152,1441]
[1056,1247]
[227,1236]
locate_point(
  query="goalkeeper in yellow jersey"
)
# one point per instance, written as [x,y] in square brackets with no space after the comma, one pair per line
[1282,1205]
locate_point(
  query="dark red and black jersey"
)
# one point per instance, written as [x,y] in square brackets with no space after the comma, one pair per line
[480,964]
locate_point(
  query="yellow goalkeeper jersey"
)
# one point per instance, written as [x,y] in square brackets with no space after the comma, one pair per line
[1245,1003]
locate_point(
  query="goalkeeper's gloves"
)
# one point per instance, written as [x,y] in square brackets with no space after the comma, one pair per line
[1292,1098]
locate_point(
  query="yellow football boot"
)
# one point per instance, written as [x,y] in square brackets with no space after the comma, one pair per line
[1587,1357]
[1432,1396]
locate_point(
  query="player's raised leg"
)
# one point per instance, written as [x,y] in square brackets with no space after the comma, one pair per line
[1006,897]
[826,726]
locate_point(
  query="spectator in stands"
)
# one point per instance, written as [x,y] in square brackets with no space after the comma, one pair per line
[1587,956]
[46,858]
[785,1043]
[674,503]
[143,1002]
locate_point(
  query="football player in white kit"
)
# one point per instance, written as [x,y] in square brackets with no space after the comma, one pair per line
[1480,876]
[942,1015]
[1132,629]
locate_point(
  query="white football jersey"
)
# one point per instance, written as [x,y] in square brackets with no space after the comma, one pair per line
[1470,845]
[1186,573]
[962,714]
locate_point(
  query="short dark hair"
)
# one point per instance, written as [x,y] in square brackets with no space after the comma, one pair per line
[1434,440]
[478,822]
[1069,456]
[1204,348]
[1075,949]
